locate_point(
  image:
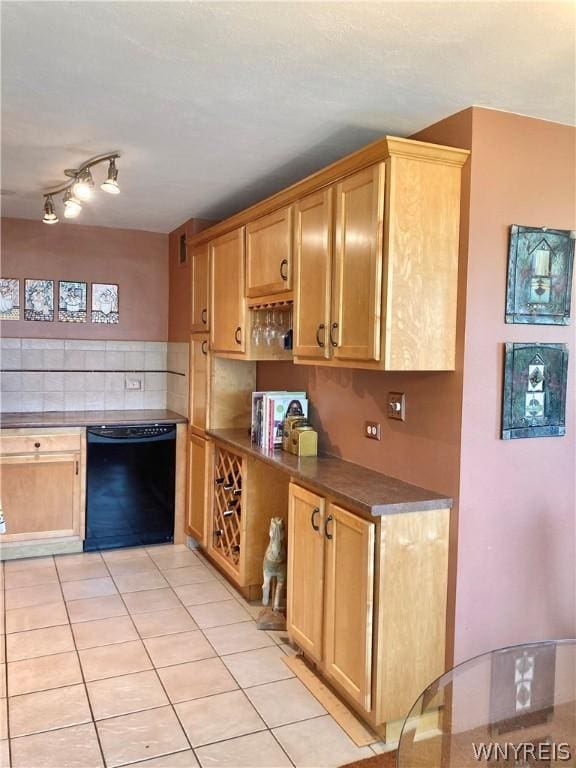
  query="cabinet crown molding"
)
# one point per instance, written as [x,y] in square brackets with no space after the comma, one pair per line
[380,150]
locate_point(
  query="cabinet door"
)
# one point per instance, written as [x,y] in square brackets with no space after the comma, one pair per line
[312,275]
[199,288]
[349,602]
[199,388]
[41,496]
[357,289]
[198,484]
[269,253]
[305,595]
[227,302]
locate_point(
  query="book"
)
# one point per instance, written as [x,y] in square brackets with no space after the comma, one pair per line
[277,405]
[268,412]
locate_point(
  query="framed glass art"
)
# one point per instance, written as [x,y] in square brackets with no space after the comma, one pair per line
[534,398]
[72,296]
[540,266]
[39,300]
[105,303]
[9,298]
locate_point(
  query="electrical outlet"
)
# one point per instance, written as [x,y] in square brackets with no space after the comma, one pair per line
[132,383]
[396,405]
[372,430]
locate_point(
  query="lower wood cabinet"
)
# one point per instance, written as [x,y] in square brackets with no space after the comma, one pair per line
[306,517]
[349,602]
[199,463]
[330,589]
[42,485]
[367,601]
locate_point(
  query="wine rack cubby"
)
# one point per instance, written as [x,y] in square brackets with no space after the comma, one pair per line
[227,520]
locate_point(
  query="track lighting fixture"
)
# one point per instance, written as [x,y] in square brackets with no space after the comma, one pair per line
[49,212]
[80,188]
[111,183]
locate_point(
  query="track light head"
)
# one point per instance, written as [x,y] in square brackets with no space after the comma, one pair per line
[111,183]
[72,206]
[49,212]
[84,185]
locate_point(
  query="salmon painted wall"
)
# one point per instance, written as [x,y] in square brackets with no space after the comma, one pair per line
[517,529]
[137,261]
[180,307]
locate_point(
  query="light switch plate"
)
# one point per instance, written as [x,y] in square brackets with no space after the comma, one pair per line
[396,406]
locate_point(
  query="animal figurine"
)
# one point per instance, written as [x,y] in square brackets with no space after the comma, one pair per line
[274,567]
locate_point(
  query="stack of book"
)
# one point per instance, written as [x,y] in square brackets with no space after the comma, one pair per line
[269,409]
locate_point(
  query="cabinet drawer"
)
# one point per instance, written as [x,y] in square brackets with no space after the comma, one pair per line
[15,444]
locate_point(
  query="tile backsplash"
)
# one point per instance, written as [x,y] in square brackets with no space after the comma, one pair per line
[177,382]
[76,375]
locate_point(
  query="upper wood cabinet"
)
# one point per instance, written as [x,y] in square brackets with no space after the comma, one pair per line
[269,253]
[357,285]
[227,295]
[313,275]
[394,269]
[337,296]
[372,243]
[199,270]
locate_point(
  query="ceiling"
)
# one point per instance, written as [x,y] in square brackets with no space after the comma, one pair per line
[215,105]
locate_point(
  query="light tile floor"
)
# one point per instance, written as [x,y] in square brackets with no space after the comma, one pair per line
[148,657]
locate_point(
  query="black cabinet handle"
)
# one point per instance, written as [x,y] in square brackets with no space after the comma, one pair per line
[315,512]
[321,327]
[204,316]
[37,445]
[284,266]
[328,520]
[204,347]
[238,335]
[333,327]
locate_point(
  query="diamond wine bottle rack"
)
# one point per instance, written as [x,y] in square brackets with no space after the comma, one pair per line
[227,506]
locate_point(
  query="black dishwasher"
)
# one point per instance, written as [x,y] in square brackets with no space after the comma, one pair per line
[130,484]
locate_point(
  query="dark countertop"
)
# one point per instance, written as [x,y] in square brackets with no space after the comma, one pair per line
[371,492]
[87,418]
